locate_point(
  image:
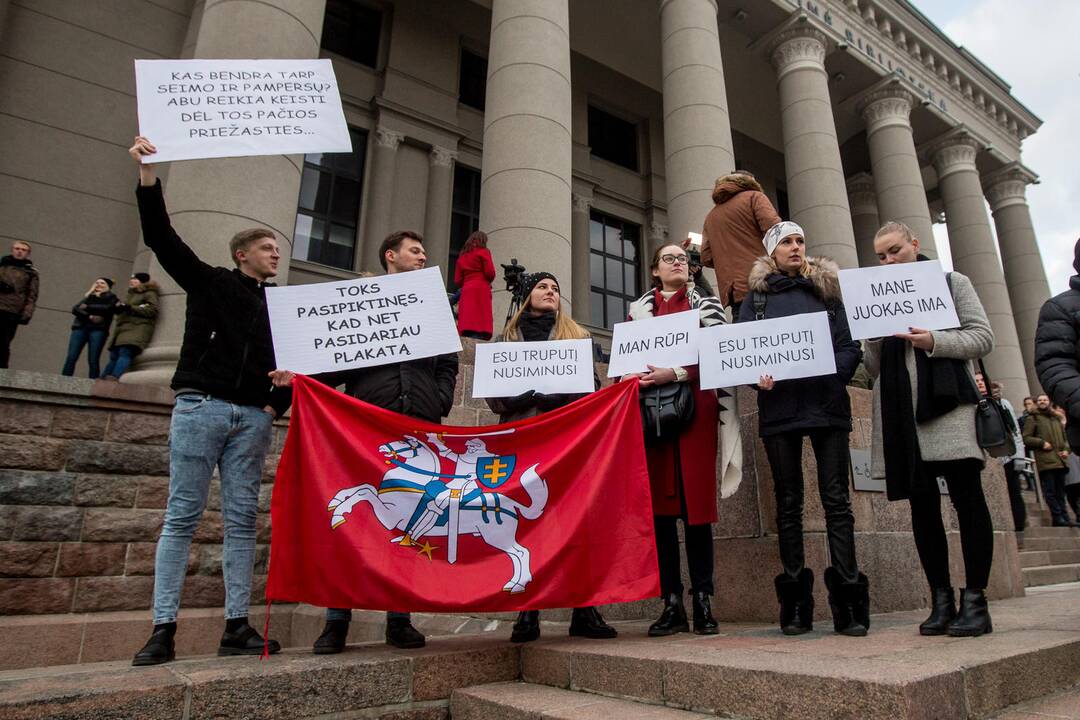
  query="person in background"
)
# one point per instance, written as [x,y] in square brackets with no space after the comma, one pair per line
[1057,350]
[539,319]
[135,320]
[1011,464]
[1045,436]
[473,274]
[19,284]
[93,316]
[697,273]
[1029,407]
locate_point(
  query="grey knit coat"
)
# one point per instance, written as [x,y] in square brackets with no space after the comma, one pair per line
[951,436]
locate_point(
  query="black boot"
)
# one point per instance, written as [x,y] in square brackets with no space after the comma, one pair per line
[401,634]
[526,627]
[704,622]
[672,620]
[160,648]
[942,612]
[973,619]
[796,598]
[587,622]
[332,640]
[849,602]
[240,638]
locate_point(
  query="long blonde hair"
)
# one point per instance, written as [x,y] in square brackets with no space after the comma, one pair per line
[565,327]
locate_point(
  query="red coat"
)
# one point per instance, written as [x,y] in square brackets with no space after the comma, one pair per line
[695,450]
[474,273]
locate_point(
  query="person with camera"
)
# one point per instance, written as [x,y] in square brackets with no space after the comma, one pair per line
[924,428]
[19,284]
[682,460]
[783,283]
[474,272]
[135,320]
[541,318]
[93,317]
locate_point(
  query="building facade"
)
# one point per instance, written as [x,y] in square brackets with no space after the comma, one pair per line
[579,134]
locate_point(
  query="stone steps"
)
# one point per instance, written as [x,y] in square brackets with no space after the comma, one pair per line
[1051,532]
[1051,574]
[1035,558]
[1049,543]
[526,701]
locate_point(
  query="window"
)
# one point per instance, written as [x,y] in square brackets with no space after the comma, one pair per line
[352,30]
[329,205]
[782,207]
[472,84]
[464,215]
[613,139]
[614,268]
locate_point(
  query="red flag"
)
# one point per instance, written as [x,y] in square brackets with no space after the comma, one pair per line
[372,509]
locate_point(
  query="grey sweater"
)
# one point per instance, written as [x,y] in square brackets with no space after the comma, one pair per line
[951,436]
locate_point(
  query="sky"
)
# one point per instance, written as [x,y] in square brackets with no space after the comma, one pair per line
[1031,45]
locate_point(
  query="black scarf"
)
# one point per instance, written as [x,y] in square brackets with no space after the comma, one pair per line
[535,328]
[14,262]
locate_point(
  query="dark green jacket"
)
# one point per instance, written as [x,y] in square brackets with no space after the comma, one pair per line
[1045,427]
[135,322]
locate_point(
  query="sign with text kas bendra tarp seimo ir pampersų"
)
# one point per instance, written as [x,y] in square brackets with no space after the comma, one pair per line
[786,348]
[666,341]
[552,367]
[193,109]
[360,323]
[889,299]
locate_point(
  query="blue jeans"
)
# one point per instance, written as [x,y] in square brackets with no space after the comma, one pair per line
[81,336]
[207,432]
[120,358]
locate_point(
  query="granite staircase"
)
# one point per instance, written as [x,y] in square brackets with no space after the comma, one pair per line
[1049,555]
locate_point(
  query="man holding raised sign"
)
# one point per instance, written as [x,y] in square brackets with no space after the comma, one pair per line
[422,388]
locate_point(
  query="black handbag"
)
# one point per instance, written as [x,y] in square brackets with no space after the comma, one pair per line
[666,410]
[993,423]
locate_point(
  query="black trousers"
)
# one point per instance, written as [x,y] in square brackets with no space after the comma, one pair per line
[699,555]
[976,528]
[1053,487]
[1016,500]
[1072,497]
[831,452]
[9,323]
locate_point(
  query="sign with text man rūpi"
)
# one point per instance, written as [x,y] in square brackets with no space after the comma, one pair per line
[889,299]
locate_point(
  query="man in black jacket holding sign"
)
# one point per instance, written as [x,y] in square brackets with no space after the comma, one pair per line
[225,408]
[422,388]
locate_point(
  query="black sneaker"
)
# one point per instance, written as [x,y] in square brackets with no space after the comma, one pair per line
[332,640]
[401,634]
[160,648]
[246,640]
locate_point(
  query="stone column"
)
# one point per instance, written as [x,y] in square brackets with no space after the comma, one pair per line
[380,195]
[211,200]
[580,283]
[440,190]
[525,173]
[817,193]
[973,253]
[697,129]
[1024,273]
[3,16]
[864,216]
[901,195]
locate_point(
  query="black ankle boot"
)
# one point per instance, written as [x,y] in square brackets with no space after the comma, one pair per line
[973,618]
[704,622]
[849,602]
[526,627]
[796,598]
[672,620]
[402,634]
[160,648]
[587,622]
[332,640]
[245,640]
[942,612]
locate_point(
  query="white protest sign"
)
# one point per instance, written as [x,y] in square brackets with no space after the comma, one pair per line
[360,323]
[228,108]
[789,347]
[511,368]
[665,341]
[881,301]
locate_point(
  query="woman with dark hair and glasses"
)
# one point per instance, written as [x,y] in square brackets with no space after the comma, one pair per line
[682,471]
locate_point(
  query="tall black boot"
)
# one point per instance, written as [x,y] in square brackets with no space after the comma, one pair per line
[672,620]
[704,622]
[796,598]
[333,638]
[587,622]
[526,627]
[973,619]
[942,612]
[849,602]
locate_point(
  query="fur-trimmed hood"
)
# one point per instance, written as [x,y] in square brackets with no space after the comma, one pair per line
[728,186]
[822,275]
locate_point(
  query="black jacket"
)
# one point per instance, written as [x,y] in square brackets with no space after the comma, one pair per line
[1057,354]
[94,312]
[805,403]
[227,350]
[421,388]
